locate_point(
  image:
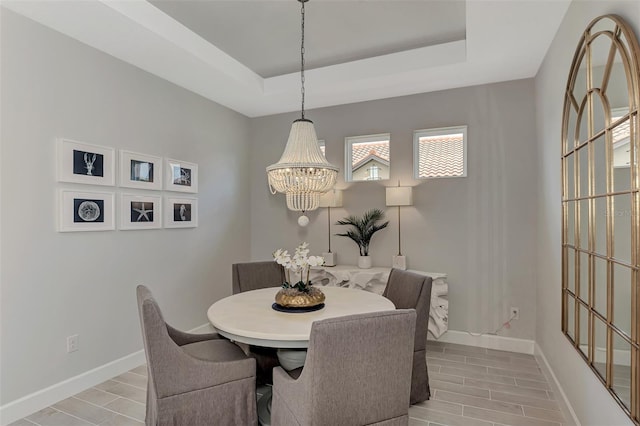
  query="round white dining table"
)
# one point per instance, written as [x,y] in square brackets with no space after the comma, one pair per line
[249,318]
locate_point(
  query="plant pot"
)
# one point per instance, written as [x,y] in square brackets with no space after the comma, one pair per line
[364,262]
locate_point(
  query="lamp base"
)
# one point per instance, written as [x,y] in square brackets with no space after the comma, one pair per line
[330,259]
[399,262]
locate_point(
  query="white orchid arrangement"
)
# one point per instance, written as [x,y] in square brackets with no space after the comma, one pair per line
[299,263]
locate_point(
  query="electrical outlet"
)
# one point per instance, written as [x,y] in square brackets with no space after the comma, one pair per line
[72,343]
[515,313]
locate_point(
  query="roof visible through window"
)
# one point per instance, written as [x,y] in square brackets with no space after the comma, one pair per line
[441,156]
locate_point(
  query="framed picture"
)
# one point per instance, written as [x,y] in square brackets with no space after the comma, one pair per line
[86,211]
[181,176]
[140,212]
[140,171]
[181,212]
[80,162]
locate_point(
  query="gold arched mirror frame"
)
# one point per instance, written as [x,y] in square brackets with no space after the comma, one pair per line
[601,207]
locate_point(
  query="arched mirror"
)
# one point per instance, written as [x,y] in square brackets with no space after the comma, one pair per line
[601,208]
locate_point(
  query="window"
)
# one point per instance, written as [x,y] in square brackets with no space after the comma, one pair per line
[322,146]
[367,157]
[374,172]
[440,152]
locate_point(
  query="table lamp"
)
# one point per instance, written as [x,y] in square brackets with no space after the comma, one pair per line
[399,196]
[331,198]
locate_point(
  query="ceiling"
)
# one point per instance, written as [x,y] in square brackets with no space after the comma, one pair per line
[265,36]
[245,54]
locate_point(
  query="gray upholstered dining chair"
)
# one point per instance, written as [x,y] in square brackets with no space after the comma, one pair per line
[194,379]
[254,275]
[408,290]
[248,276]
[356,373]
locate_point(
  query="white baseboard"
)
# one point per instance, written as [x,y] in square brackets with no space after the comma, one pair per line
[489,341]
[202,329]
[38,400]
[567,409]
[43,398]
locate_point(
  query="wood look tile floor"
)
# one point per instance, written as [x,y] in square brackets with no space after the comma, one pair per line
[473,386]
[470,386]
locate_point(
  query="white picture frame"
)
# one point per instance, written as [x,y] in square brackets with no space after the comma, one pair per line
[86,211]
[80,162]
[140,212]
[181,176]
[176,208]
[140,171]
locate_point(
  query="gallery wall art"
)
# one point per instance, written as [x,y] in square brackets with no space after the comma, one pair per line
[80,162]
[89,164]
[181,176]
[140,212]
[86,211]
[181,212]
[140,171]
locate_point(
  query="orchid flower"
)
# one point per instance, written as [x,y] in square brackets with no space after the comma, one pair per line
[300,263]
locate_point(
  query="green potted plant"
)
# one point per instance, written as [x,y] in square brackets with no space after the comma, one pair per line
[362,229]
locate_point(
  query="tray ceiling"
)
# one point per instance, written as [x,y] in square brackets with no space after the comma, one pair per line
[244,54]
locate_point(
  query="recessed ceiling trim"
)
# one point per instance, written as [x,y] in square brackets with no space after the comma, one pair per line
[505,40]
[372,68]
[145,14]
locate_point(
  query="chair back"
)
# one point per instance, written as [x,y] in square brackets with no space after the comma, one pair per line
[193,378]
[154,329]
[163,354]
[409,290]
[358,368]
[254,275]
[160,350]
[152,323]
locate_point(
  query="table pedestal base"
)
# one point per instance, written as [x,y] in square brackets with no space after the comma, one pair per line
[290,359]
[264,408]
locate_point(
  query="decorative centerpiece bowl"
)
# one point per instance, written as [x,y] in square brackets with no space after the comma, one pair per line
[294,298]
[301,296]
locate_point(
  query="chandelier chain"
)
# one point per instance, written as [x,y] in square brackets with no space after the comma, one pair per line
[302,58]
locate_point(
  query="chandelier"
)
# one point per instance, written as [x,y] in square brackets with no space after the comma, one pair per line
[302,173]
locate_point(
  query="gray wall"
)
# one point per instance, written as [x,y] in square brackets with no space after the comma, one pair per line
[481,229]
[590,400]
[58,284]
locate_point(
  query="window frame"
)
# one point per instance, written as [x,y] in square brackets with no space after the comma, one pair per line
[348,154]
[322,144]
[376,175]
[439,131]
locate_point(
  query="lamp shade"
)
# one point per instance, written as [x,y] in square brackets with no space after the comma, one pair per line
[331,198]
[399,196]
